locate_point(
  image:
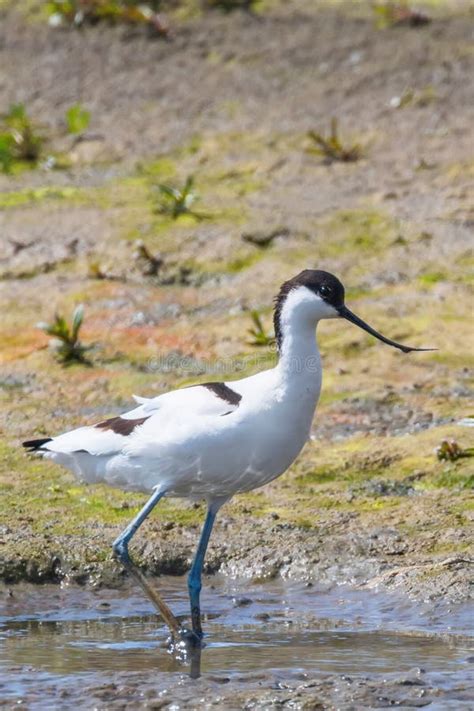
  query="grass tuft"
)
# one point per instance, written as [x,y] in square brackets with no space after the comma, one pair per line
[397,14]
[77,13]
[176,201]
[332,148]
[20,140]
[77,119]
[449,450]
[260,336]
[65,342]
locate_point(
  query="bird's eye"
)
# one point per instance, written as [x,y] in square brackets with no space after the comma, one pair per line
[325,290]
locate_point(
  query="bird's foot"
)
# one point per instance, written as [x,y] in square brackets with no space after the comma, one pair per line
[193,640]
[185,643]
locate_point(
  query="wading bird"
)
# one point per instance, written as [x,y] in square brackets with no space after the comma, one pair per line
[213,440]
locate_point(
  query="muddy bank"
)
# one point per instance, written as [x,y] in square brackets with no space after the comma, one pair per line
[400,549]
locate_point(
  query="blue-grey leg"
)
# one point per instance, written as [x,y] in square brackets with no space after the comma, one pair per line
[194,578]
[120,548]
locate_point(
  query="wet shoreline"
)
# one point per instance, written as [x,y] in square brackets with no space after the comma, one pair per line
[265,642]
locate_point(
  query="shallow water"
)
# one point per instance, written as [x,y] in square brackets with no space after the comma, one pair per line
[56,642]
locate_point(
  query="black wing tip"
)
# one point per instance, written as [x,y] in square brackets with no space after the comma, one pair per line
[32,445]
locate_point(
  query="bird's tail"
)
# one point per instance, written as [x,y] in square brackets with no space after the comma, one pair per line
[34,445]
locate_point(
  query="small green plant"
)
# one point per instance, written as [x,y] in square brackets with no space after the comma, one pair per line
[397,14]
[20,140]
[332,148]
[449,451]
[81,12]
[176,201]
[77,119]
[259,335]
[65,342]
[6,152]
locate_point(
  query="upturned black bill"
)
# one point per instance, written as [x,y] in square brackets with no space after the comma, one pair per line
[347,314]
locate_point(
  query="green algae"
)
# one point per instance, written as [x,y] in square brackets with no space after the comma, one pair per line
[22,198]
[360,230]
[163,168]
[452,478]
[429,278]
[239,263]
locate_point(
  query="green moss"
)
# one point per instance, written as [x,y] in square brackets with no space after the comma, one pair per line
[318,476]
[466,261]
[451,478]
[357,292]
[429,278]
[454,360]
[363,230]
[342,475]
[21,198]
[190,148]
[164,168]
[462,507]
[325,501]
[241,180]
[239,263]
[377,504]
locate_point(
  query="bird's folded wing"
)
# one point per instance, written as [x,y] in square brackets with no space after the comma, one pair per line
[112,435]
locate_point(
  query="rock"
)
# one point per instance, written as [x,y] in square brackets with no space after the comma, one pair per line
[264,238]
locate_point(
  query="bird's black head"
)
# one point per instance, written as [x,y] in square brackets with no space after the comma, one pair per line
[323,284]
[329,303]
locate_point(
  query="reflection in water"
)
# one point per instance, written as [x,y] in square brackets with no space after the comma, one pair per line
[195,663]
[284,628]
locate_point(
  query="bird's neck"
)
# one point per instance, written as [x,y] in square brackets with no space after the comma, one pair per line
[299,353]
[295,322]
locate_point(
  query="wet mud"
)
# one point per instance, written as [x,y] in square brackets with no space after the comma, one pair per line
[271,645]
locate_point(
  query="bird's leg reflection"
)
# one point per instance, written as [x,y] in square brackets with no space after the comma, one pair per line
[195,663]
[120,548]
